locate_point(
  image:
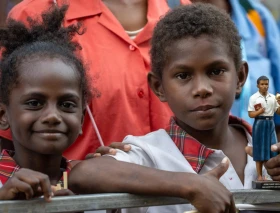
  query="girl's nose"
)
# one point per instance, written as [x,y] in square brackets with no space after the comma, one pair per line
[51,116]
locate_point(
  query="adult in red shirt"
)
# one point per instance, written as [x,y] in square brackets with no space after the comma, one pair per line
[116,49]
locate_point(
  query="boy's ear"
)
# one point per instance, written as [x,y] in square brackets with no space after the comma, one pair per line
[4,123]
[155,84]
[241,77]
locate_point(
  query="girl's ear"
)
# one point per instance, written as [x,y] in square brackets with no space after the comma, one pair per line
[155,84]
[242,76]
[4,123]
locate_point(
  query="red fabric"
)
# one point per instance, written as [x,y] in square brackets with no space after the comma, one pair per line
[122,102]
[195,152]
[8,166]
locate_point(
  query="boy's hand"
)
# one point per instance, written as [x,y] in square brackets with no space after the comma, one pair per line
[28,183]
[111,149]
[273,165]
[209,195]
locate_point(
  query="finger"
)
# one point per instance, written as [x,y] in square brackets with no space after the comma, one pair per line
[121,146]
[63,192]
[91,155]
[232,208]
[275,147]
[20,186]
[29,177]
[249,150]
[35,180]
[104,150]
[275,178]
[273,163]
[45,186]
[219,170]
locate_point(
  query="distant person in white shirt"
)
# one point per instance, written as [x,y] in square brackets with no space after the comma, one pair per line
[262,106]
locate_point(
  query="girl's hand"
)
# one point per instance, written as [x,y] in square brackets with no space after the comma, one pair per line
[62,192]
[111,150]
[26,184]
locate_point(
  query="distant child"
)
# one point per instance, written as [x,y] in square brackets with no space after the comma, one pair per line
[43,96]
[197,69]
[262,106]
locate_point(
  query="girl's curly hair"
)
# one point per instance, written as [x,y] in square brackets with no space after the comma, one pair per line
[42,39]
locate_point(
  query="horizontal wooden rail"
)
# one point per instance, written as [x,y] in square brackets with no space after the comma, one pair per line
[118,200]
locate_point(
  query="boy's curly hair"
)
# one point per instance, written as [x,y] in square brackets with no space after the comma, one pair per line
[42,39]
[193,21]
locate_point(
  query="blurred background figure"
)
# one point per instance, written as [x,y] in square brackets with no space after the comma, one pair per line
[5,7]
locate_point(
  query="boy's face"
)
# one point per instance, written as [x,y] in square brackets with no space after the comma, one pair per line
[45,107]
[199,82]
[263,86]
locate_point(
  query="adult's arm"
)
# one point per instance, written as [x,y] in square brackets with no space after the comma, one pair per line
[105,174]
[253,114]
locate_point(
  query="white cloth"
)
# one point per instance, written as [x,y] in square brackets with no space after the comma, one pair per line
[157,150]
[269,103]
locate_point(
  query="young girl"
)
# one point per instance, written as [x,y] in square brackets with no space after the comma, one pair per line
[43,95]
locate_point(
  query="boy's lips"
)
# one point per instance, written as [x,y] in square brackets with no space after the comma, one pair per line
[203,108]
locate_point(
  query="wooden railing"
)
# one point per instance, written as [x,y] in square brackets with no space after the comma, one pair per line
[118,200]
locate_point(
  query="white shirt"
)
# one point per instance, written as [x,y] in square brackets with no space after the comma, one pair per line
[269,103]
[157,150]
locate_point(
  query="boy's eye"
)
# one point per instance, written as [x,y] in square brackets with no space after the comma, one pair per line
[217,72]
[183,76]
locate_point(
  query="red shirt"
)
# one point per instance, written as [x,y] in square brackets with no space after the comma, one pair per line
[122,102]
[195,152]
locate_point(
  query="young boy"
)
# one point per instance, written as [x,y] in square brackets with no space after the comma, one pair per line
[197,70]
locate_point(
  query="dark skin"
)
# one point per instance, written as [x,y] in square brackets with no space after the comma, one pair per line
[199,190]
[213,133]
[45,115]
[208,75]
[132,14]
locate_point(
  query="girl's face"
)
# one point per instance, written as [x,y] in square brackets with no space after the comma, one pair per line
[45,110]
[199,82]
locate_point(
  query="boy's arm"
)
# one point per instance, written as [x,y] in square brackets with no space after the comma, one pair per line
[105,174]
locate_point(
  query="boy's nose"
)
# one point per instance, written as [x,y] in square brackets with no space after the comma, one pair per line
[202,87]
[51,116]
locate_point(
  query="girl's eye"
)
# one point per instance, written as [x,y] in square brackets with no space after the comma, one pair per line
[33,103]
[68,105]
[217,71]
[183,76]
